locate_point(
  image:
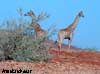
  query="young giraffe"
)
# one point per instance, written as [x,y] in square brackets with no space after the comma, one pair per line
[67,33]
[37,28]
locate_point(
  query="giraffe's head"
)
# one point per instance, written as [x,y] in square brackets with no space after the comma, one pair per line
[30,13]
[81,14]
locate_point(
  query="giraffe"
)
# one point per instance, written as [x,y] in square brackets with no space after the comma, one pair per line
[67,33]
[37,28]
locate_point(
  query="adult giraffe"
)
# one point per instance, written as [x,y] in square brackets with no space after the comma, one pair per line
[37,28]
[67,33]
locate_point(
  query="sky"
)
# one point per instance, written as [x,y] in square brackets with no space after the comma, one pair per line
[62,14]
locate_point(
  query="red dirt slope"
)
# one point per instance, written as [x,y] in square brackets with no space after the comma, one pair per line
[61,62]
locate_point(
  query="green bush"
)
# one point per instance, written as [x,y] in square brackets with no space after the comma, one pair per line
[18,45]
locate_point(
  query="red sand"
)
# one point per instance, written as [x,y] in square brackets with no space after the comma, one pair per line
[62,62]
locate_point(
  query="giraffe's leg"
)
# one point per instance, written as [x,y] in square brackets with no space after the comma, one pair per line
[60,39]
[59,46]
[69,43]
[70,40]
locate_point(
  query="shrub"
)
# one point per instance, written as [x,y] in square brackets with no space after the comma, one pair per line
[17,44]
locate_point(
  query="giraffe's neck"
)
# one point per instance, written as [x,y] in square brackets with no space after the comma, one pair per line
[35,25]
[33,19]
[75,22]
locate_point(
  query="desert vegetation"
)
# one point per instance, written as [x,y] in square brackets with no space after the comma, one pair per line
[17,40]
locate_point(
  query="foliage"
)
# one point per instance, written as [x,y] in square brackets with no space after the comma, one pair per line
[27,55]
[17,44]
